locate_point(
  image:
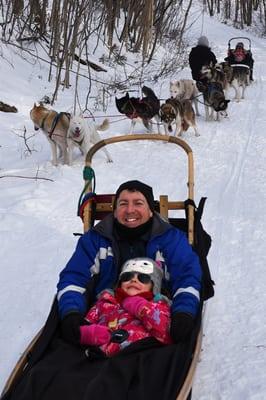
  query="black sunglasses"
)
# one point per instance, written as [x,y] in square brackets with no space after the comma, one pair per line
[127,276]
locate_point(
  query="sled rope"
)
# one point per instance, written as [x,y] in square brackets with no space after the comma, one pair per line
[102,116]
[88,175]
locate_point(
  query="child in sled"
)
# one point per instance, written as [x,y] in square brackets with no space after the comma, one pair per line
[241,56]
[135,310]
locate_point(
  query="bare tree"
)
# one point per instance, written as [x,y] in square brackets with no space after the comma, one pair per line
[64,28]
[240,11]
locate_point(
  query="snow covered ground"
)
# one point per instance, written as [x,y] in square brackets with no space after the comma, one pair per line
[38,217]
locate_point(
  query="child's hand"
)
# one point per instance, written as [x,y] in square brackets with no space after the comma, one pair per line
[94,335]
[134,304]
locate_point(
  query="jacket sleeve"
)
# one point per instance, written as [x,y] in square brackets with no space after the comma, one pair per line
[75,277]
[155,317]
[184,271]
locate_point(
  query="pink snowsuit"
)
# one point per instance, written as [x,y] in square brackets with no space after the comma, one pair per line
[152,320]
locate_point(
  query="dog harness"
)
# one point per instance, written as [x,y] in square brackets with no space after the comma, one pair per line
[54,123]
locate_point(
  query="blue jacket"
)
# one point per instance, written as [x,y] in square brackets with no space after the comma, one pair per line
[97,252]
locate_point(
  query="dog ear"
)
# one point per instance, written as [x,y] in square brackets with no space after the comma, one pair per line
[173,83]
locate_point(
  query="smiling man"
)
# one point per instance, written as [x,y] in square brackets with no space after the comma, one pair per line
[134,204]
[134,229]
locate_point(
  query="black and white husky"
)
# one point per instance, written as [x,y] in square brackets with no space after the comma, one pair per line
[214,100]
[84,135]
[240,79]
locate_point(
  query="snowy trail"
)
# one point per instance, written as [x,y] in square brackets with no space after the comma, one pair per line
[237,233]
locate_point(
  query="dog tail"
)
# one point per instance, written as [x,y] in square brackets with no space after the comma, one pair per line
[104,125]
[148,92]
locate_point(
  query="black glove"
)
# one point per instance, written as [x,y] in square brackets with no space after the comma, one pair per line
[70,327]
[181,326]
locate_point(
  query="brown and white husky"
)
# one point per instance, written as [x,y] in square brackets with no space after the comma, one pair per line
[55,126]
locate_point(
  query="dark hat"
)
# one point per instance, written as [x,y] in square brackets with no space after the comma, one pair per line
[137,186]
[240,45]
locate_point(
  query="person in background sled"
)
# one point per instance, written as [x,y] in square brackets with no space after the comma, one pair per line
[134,229]
[135,310]
[241,56]
[201,55]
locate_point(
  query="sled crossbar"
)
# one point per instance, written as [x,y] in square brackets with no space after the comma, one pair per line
[101,205]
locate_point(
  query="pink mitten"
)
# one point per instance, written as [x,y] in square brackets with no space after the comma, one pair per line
[134,304]
[95,335]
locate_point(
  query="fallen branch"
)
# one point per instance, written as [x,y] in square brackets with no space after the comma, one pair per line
[25,138]
[7,108]
[94,66]
[26,177]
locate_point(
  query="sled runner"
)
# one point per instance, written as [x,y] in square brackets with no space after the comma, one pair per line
[176,362]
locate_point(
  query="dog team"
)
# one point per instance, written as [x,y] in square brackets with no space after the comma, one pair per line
[211,80]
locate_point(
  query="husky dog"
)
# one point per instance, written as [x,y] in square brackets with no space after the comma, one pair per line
[214,100]
[240,79]
[227,70]
[84,135]
[220,73]
[185,89]
[54,125]
[137,109]
[180,113]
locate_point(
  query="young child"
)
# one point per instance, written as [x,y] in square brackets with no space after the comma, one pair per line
[239,53]
[134,311]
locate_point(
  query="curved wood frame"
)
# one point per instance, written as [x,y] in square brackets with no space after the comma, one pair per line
[170,139]
[187,385]
[20,365]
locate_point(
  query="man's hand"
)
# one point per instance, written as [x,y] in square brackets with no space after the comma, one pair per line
[70,327]
[181,326]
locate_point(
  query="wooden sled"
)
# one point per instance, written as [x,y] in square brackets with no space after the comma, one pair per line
[94,208]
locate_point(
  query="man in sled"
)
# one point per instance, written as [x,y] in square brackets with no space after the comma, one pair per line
[133,230]
[73,367]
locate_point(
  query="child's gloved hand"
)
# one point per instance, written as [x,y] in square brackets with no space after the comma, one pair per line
[134,304]
[94,335]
